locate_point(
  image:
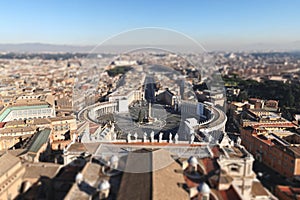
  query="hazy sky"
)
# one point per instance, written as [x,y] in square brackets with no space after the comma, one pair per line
[211,22]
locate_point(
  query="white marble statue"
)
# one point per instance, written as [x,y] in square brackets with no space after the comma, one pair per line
[192,139]
[145,137]
[129,137]
[170,138]
[160,137]
[152,136]
[176,138]
[114,136]
[135,136]
[238,141]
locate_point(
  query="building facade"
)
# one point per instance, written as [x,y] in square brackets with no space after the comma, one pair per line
[11,173]
[275,152]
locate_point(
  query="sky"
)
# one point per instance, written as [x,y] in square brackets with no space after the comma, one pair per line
[213,23]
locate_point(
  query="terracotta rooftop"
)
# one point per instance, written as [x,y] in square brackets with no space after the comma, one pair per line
[258,190]
[166,183]
[17,129]
[52,119]
[41,121]
[264,139]
[15,123]
[216,151]
[289,191]
[2,124]
[209,164]
[229,194]
[284,124]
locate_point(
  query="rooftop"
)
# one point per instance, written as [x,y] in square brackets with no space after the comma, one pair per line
[234,152]
[17,129]
[36,170]
[77,147]
[7,161]
[53,119]
[140,186]
[155,182]
[91,176]
[258,190]
[289,191]
[8,109]
[39,139]
[229,194]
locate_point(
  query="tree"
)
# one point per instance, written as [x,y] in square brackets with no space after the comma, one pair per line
[243,95]
[289,99]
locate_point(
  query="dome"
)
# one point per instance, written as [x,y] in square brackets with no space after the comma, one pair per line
[114,159]
[103,185]
[79,177]
[193,161]
[203,188]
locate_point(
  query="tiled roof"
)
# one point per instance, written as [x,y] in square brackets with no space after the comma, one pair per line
[229,194]
[140,186]
[289,191]
[258,190]
[154,181]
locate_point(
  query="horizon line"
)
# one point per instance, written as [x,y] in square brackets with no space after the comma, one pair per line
[260,46]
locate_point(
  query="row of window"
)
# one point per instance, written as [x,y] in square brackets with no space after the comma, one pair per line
[31,112]
[39,117]
[61,128]
[18,133]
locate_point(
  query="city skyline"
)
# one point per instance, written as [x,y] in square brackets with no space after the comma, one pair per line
[230,25]
[150,100]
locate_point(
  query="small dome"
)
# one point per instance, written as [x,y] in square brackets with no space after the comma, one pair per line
[203,188]
[103,185]
[114,159]
[79,177]
[193,161]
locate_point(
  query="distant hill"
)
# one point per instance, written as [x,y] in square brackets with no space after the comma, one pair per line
[43,48]
[55,48]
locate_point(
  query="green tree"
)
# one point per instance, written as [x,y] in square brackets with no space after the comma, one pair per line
[289,98]
[243,95]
